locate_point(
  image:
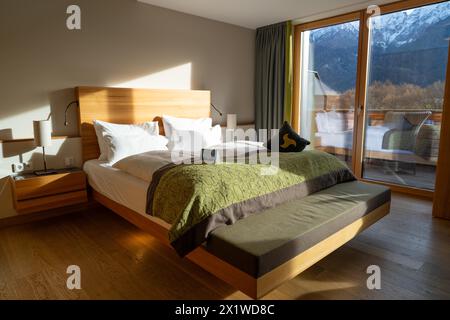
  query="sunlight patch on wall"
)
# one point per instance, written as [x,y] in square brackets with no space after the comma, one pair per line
[20,126]
[174,78]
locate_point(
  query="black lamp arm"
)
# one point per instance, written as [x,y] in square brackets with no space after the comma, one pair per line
[66,123]
[218,111]
[325,96]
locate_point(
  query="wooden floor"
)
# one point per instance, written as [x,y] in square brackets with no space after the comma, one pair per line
[118,261]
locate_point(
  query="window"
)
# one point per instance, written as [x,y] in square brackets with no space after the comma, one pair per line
[329,63]
[374,96]
[407,62]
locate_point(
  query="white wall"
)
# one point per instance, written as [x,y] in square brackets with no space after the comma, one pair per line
[121,43]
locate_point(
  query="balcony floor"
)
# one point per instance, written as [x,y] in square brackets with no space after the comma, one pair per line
[414,175]
[396,172]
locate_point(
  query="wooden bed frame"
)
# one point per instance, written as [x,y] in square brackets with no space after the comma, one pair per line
[120,105]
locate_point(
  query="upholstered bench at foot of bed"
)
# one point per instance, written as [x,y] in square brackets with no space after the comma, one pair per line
[264,241]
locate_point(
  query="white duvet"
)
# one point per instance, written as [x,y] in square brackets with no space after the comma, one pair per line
[144,165]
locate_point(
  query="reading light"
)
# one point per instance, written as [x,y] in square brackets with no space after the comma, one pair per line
[218,111]
[325,96]
[66,123]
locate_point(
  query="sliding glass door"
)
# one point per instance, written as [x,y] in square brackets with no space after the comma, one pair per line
[370,89]
[407,60]
[329,68]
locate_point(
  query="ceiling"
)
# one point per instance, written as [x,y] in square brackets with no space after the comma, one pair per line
[257,13]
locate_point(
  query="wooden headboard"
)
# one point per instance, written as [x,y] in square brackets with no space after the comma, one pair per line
[129,106]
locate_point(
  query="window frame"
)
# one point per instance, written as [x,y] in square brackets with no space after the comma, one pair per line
[361,84]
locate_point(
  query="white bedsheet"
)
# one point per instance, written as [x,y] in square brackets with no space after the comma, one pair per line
[120,187]
[144,165]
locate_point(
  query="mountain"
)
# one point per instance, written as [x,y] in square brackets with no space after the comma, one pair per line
[398,40]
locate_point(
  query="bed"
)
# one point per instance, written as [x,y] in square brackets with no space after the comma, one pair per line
[249,254]
[390,141]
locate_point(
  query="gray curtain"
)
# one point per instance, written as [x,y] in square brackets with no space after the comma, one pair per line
[270,76]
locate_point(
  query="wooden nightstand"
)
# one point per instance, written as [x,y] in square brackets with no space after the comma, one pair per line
[39,193]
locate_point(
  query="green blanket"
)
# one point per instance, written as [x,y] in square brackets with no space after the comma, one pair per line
[198,198]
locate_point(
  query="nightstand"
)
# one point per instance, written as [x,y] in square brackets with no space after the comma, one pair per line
[40,193]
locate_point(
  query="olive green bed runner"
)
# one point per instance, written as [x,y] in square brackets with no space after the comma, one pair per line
[198,198]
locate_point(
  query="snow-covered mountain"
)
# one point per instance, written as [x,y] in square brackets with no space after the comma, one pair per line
[397,29]
[397,39]
[392,30]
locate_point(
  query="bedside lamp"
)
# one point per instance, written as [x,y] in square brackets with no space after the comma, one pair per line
[231,128]
[231,121]
[43,138]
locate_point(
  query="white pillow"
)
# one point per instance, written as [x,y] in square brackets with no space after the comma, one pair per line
[103,128]
[122,146]
[172,124]
[336,122]
[212,136]
[195,140]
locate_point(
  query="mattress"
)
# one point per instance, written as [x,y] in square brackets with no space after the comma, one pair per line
[264,241]
[120,187]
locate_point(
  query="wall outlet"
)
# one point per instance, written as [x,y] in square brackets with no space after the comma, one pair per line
[21,167]
[18,167]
